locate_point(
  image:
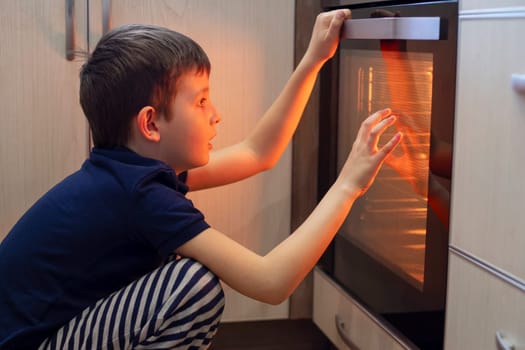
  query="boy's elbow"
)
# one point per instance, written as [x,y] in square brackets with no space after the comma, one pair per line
[274,299]
[274,296]
[267,163]
[263,157]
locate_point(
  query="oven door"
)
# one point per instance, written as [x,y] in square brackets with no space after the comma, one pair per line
[391,252]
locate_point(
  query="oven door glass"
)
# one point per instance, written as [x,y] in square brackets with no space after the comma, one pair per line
[389,223]
[391,252]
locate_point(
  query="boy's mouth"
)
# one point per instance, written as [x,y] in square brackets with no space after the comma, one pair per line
[210,145]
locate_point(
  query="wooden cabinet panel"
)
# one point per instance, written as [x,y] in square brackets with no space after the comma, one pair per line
[250,45]
[486,261]
[487,200]
[44,134]
[479,304]
[331,303]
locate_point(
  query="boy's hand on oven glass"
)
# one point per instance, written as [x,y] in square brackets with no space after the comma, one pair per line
[366,158]
[410,160]
[326,34]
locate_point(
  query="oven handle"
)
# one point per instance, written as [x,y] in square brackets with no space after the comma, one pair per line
[341,329]
[502,342]
[395,28]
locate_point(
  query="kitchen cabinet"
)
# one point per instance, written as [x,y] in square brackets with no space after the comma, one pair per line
[481,305]
[490,149]
[486,286]
[45,136]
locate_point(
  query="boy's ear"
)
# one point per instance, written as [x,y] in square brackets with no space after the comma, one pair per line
[147,124]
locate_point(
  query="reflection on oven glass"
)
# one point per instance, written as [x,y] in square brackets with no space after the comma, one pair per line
[389,222]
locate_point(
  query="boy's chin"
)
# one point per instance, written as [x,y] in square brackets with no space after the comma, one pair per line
[200,163]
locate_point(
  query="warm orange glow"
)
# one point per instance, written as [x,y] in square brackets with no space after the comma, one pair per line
[410,93]
[416,232]
[415,246]
[360,85]
[389,222]
[370,89]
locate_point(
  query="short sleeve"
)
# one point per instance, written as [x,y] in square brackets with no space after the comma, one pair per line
[165,218]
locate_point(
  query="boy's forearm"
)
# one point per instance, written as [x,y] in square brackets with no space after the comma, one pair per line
[291,260]
[274,131]
[295,257]
[273,277]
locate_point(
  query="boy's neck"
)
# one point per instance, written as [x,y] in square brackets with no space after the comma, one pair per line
[144,149]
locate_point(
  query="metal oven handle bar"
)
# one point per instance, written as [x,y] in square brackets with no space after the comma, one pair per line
[395,28]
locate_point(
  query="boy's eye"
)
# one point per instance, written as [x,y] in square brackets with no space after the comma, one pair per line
[203,102]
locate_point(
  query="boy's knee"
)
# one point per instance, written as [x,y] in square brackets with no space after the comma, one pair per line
[197,283]
[193,267]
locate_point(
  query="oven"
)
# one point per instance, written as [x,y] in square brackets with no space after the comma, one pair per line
[391,252]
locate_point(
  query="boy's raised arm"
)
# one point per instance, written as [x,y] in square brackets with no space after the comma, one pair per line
[273,277]
[263,147]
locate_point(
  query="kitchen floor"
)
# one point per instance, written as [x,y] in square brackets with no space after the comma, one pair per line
[270,335]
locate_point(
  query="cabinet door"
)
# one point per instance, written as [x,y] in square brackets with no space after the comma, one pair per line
[250,45]
[485,295]
[489,169]
[480,305]
[43,136]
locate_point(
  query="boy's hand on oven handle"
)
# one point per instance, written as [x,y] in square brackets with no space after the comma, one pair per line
[366,158]
[326,34]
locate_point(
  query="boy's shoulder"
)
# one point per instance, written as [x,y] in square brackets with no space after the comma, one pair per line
[124,168]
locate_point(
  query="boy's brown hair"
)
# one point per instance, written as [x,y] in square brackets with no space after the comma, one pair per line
[134,66]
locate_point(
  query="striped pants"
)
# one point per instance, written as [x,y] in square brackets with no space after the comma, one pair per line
[177,306]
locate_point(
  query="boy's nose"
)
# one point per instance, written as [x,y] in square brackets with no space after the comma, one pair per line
[215,117]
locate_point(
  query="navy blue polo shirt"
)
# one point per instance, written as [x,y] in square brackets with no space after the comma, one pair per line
[101,228]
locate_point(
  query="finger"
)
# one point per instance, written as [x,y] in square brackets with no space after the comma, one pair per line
[379,129]
[337,19]
[370,122]
[345,13]
[379,115]
[389,147]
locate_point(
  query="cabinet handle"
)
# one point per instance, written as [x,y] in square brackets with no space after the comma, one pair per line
[70,30]
[399,28]
[503,344]
[341,329]
[106,16]
[518,83]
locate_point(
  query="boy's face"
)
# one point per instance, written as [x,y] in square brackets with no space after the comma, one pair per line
[185,140]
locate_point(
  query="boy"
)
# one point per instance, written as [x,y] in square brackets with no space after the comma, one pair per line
[115,256]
